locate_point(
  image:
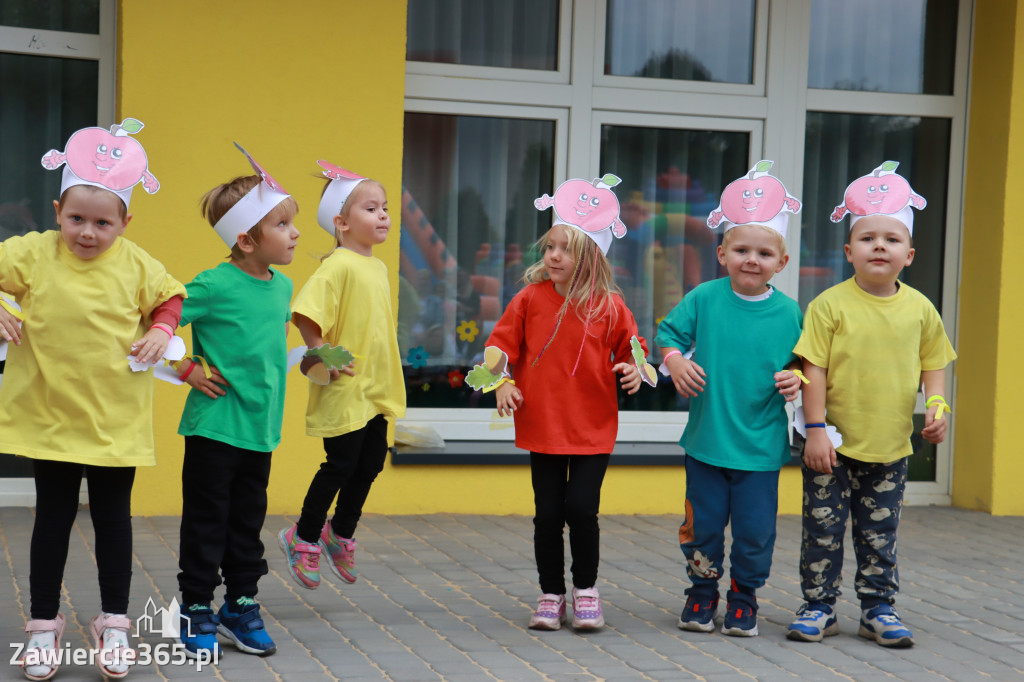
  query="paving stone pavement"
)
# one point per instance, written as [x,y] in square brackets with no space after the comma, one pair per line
[447,597]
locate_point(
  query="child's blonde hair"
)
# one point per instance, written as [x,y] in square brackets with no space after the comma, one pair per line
[727,237]
[347,206]
[221,198]
[592,283]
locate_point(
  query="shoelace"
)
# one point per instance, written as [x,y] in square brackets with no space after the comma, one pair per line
[586,603]
[811,615]
[548,605]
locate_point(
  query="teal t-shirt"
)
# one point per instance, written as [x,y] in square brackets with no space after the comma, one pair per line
[739,420]
[239,326]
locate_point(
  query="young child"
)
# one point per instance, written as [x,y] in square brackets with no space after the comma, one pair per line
[868,344]
[347,302]
[70,400]
[736,437]
[566,335]
[239,313]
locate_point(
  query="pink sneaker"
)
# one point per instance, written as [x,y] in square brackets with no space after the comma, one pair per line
[110,636]
[40,661]
[550,613]
[586,609]
[342,554]
[303,558]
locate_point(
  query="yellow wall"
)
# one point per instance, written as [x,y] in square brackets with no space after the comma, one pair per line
[988,466]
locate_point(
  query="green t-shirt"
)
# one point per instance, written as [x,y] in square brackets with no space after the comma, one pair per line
[873,350]
[239,326]
[739,421]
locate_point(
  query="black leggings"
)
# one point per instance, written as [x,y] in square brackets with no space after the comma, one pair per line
[566,489]
[353,461]
[110,504]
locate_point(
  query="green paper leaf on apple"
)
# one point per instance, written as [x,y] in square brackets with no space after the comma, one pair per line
[611,180]
[890,165]
[131,125]
[763,166]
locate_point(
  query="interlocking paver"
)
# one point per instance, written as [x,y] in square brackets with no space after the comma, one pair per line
[447,597]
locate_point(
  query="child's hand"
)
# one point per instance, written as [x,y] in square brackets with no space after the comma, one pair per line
[197,379]
[687,375]
[819,455]
[788,385]
[934,430]
[151,346]
[630,376]
[509,399]
[9,328]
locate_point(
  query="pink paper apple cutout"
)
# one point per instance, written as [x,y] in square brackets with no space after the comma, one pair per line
[756,198]
[590,206]
[883,192]
[337,172]
[262,172]
[107,158]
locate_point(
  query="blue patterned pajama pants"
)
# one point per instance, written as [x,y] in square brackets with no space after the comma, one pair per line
[873,495]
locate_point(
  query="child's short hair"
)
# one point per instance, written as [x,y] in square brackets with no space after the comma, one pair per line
[221,198]
[727,237]
[122,209]
[849,232]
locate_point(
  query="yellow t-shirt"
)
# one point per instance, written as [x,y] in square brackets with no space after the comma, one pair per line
[874,350]
[68,392]
[350,298]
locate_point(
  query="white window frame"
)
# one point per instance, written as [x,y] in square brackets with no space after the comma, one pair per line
[773,109]
[101,48]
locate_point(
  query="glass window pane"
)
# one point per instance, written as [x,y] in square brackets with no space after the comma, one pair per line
[468,227]
[670,39]
[671,180]
[842,147]
[910,47]
[80,16]
[45,100]
[520,35]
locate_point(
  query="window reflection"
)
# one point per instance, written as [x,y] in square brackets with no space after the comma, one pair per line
[842,147]
[681,39]
[522,34]
[671,180]
[881,45]
[80,16]
[468,226]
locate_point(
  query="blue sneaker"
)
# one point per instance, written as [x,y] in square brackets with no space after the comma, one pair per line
[814,621]
[199,630]
[245,628]
[699,613]
[740,615]
[883,625]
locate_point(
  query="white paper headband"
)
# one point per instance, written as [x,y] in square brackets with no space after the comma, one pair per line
[250,209]
[882,192]
[110,160]
[757,198]
[342,184]
[588,206]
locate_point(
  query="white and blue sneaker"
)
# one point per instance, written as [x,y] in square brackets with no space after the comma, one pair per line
[814,621]
[883,625]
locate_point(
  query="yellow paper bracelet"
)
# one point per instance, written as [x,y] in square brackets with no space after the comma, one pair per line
[801,375]
[12,310]
[941,402]
[499,382]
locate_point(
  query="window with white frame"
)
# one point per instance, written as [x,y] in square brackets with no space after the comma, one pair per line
[56,76]
[678,97]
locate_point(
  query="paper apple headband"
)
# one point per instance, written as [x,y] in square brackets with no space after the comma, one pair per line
[107,159]
[250,209]
[755,199]
[883,192]
[337,193]
[589,206]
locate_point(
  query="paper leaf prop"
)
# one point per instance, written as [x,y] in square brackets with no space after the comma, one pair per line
[331,357]
[799,425]
[590,206]
[647,371]
[489,372]
[758,198]
[175,351]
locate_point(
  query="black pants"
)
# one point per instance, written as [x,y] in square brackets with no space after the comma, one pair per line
[223,506]
[110,504]
[566,489]
[353,462]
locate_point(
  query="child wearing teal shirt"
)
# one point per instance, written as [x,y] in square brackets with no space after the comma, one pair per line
[736,438]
